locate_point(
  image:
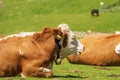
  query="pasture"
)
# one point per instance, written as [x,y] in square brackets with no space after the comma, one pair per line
[32,15]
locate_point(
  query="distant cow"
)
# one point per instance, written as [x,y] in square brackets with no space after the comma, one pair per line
[95,12]
[29,55]
[100,50]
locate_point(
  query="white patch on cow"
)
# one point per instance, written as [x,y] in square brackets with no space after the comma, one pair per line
[64,27]
[20,51]
[22,75]
[27,33]
[117,49]
[21,34]
[73,45]
[44,69]
[117,32]
[80,47]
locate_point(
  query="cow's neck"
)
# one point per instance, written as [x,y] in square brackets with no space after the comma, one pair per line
[50,46]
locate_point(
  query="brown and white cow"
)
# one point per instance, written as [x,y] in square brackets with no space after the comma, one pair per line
[30,54]
[69,45]
[73,46]
[101,50]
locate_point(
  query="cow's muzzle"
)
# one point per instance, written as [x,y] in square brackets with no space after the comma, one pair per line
[58,61]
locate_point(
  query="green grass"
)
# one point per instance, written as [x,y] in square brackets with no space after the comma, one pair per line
[34,15]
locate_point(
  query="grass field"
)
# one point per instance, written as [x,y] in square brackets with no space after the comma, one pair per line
[33,15]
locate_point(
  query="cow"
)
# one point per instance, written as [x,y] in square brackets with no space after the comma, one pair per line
[29,55]
[95,12]
[68,45]
[72,44]
[100,50]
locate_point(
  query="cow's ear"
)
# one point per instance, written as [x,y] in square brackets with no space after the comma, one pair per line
[58,34]
[55,31]
[47,30]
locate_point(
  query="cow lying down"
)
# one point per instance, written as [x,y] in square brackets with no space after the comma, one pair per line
[30,54]
[100,50]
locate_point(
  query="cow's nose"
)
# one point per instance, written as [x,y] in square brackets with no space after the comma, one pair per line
[58,61]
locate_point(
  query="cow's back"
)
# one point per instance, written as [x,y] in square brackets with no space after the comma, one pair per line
[99,50]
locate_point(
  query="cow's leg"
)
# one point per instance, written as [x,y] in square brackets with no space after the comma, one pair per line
[36,72]
[2,73]
[58,59]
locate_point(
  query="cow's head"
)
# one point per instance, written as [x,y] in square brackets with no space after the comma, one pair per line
[69,44]
[48,32]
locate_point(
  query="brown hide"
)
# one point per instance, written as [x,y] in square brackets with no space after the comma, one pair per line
[28,55]
[2,36]
[99,50]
